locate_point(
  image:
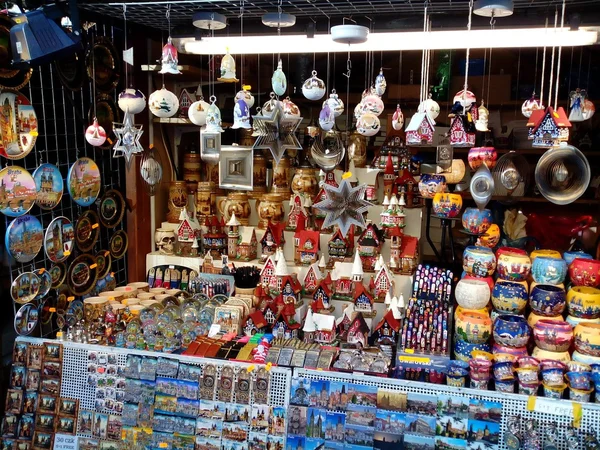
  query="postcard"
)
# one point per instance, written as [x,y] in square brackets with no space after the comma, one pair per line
[300,390]
[424,425]
[361,415]
[183,441]
[275,442]
[451,405]
[357,435]
[163,423]
[448,443]
[147,392]
[237,413]
[297,420]
[334,426]
[167,367]
[235,432]
[30,402]
[50,386]
[189,372]
[67,425]
[211,409]
[148,368]
[257,441]
[418,442]
[166,386]
[100,425]
[359,394]
[209,428]
[185,425]
[165,404]
[335,445]
[188,408]
[390,421]
[315,423]
[338,395]
[17,377]
[485,410]
[487,432]
[145,415]
[115,425]
[10,425]
[233,445]
[130,414]
[294,442]
[387,441]
[52,351]
[85,422]
[161,440]
[391,400]
[88,444]
[67,406]
[452,427]
[45,422]
[20,353]
[259,419]
[26,426]
[34,357]
[42,440]
[203,443]
[277,420]
[14,401]
[132,367]
[187,389]
[422,404]
[51,369]
[47,403]
[319,393]
[479,445]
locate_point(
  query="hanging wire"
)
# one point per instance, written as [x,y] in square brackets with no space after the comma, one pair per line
[518,80]
[467,59]
[537,51]
[484,67]
[125,32]
[400,75]
[489,82]
[587,84]
[93,74]
[423,56]
[562,24]
[242,35]
[570,74]
[543,70]
[552,64]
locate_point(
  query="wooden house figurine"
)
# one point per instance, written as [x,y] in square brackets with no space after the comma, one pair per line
[325,331]
[272,240]
[420,129]
[270,313]
[187,232]
[185,101]
[255,323]
[343,323]
[321,299]
[306,246]
[387,330]
[369,246]
[383,282]
[549,127]
[267,272]
[310,278]
[215,239]
[363,300]
[247,243]
[286,327]
[405,259]
[358,332]
[340,248]
[208,264]
[462,131]
[297,213]
[318,215]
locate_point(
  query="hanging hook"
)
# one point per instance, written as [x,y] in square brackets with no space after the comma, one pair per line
[492,20]
[349,19]
[348,67]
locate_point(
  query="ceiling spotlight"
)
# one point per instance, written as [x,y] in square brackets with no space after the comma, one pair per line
[209,20]
[349,34]
[493,8]
[277,20]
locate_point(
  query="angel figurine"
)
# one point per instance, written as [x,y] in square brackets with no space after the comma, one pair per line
[577,99]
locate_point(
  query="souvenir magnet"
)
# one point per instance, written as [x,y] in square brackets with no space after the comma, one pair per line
[87,230]
[207,388]
[24,237]
[18,125]
[261,386]
[84,181]
[242,387]
[58,241]
[49,186]
[512,436]
[225,384]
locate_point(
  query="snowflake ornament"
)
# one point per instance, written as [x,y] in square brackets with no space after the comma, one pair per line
[128,139]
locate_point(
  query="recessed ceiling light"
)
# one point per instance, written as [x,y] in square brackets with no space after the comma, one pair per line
[276,20]
[349,34]
[496,8]
[209,20]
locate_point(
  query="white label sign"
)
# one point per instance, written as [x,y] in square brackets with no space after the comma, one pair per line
[65,442]
[557,408]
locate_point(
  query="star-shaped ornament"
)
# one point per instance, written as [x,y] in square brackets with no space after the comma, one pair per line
[128,138]
[276,132]
[344,205]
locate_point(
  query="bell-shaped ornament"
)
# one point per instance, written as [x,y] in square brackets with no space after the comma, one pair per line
[241,115]
[197,112]
[132,101]
[213,117]
[530,105]
[314,88]
[430,107]
[163,103]
[169,59]
[397,119]
[228,69]
[95,134]
[290,108]
[372,104]
[368,124]
[326,118]
[380,83]
[482,186]
[335,103]
[465,97]
[481,124]
[246,95]
[278,80]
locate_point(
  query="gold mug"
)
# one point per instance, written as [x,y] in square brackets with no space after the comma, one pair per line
[305,181]
[235,202]
[270,208]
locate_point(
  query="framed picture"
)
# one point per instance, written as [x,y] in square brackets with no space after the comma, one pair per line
[52,351]
[42,440]
[210,146]
[236,167]
[34,357]
[46,403]
[20,352]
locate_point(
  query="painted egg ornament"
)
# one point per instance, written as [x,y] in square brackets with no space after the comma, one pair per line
[372,104]
[530,105]
[397,119]
[169,59]
[326,118]
[368,124]
[163,103]
[132,101]
[431,107]
[245,95]
[279,80]
[290,108]
[95,134]
[197,112]
[380,83]
[335,103]
[358,111]
[465,97]
[213,117]
[241,115]
[314,88]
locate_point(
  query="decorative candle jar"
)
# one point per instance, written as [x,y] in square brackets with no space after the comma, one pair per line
[545,252]
[548,270]
[547,300]
[513,266]
[472,293]
[473,327]
[584,302]
[206,199]
[479,261]
[178,198]
[553,335]
[511,331]
[476,221]
[569,257]
[270,208]
[447,205]
[509,296]
[585,272]
[429,185]
[587,338]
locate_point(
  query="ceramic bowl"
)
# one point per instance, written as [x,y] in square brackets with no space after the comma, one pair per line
[580,395]
[553,376]
[476,221]
[574,321]
[479,261]
[488,280]
[447,205]
[569,257]
[528,388]
[480,369]
[482,155]
[502,250]
[587,338]
[533,318]
[544,252]
[507,386]
[553,364]
[574,366]
[540,354]
[585,272]
[549,270]
[482,355]
[579,380]
[534,284]
[473,327]
[525,362]
[491,237]
[462,349]
[504,371]
[504,349]
[523,283]
[429,185]
[504,357]
[513,266]
[498,312]
[509,296]
[554,392]
[472,293]
[584,302]
[585,359]
[553,335]
[527,374]
[511,331]
[456,380]
[547,300]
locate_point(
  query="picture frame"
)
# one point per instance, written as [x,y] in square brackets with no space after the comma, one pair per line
[42,440]
[34,357]
[20,352]
[236,167]
[14,401]
[53,351]
[47,404]
[210,146]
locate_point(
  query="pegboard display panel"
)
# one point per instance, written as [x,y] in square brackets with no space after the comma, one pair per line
[512,404]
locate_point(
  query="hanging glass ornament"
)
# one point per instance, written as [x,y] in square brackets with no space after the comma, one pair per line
[466,99]
[163,103]
[314,88]
[271,105]
[278,80]
[169,59]
[335,103]
[197,112]
[228,69]
[368,124]
[290,108]
[372,104]
[380,83]
[581,107]
[530,105]
[431,107]
[132,101]
[397,119]
[326,118]
[213,117]
[358,111]
[246,95]
[95,134]
[483,114]
[241,115]
[151,171]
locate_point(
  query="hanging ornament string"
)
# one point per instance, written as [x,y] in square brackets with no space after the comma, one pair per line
[125,39]
[242,35]
[551,82]
[537,54]
[543,70]
[423,55]
[562,24]
[399,74]
[279,12]
[489,80]
[211,74]
[94,74]
[467,59]
[484,69]
[428,66]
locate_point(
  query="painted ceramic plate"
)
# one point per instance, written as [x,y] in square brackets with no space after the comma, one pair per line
[45,313]
[84,181]
[70,70]
[24,238]
[18,125]
[87,231]
[26,319]
[82,274]
[118,244]
[107,113]
[25,287]
[17,191]
[104,260]
[45,283]
[58,241]
[74,312]
[103,64]
[62,294]
[49,186]
[112,208]
[58,272]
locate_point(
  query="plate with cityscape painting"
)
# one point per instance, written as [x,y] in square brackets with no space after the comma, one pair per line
[26,319]
[25,287]
[18,125]
[24,238]
[58,241]
[84,181]
[49,186]
[17,191]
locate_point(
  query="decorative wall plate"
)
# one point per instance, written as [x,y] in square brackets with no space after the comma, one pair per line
[10,78]
[104,261]
[58,240]
[58,273]
[49,186]
[25,287]
[18,125]
[26,319]
[24,238]
[87,230]
[82,274]
[118,244]
[71,70]
[17,191]
[112,208]
[45,283]
[45,313]
[105,67]
[84,181]
[62,294]
[106,112]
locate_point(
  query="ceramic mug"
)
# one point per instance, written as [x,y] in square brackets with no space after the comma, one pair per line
[587,338]
[235,203]
[585,272]
[513,266]
[511,331]
[472,293]
[429,185]
[547,300]
[479,261]
[548,270]
[510,297]
[584,302]
[476,221]
[447,205]
[553,335]
[305,181]
[270,208]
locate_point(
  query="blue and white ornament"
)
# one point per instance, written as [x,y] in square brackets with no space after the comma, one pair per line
[335,103]
[132,101]
[213,117]
[241,115]
[279,80]
[326,118]
[380,83]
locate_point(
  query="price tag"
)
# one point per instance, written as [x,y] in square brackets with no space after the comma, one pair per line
[151,146]
[215,328]
[66,253]
[95,226]
[52,310]
[414,359]
[42,270]
[557,408]
[34,133]
[70,299]
[65,442]
[93,266]
[109,141]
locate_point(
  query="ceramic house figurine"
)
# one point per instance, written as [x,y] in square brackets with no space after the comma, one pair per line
[369,176]
[340,247]
[270,314]
[383,282]
[268,272]
[358,332]
[370,243]
[185,101]
[345,320]
[297,213]
[169,59]
[286,327]
[187,232]
[325,332]
[306,245]
[272,240]
[389,176]
[246,246]
[549,127]
[215,240]
[343,277]
[290,289]
[310,278]
[462,131]
[386,331]
[392,216]
[254,323]
[309,328]
[321,300]
[233,235]
[281,271]
[363,300]
[405,258]
[261,296]
[420,129]
[408,189]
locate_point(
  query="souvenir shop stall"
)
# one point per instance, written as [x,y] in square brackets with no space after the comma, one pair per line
[222,234]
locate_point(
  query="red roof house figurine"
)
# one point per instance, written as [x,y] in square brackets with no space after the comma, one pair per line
[286,327]
[462,130]
[408,190]
[363,300]
[321,302]
[306,245]
[267,272]
[319,216]
[297,212]
[254,323]
[548,128]
[358,332]
[270,313]
[383,281]
[420,129]
[325,332]
[185,101]
[369,246]
[389,177]
[386,331]
[392,215]
[340,247]
[310,278]
[215,240]
[272,239]
[187,232]
[404,259]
